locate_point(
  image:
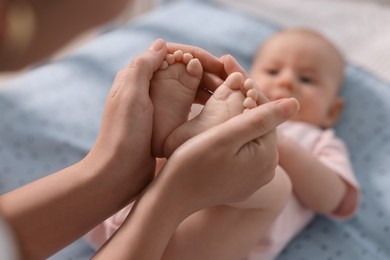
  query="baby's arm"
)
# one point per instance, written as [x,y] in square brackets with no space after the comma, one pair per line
[317,186]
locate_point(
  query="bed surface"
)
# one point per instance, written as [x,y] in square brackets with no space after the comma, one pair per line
[52,114]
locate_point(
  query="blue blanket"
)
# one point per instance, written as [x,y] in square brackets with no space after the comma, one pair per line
[50,119]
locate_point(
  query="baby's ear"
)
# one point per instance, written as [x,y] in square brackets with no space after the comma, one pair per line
[334,111]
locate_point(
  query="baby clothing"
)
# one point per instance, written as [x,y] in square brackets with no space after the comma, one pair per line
[321,143]
[331,151]
[97,236]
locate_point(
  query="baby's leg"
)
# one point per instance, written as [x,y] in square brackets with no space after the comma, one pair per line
[229,100]
[173,89]
[225,232]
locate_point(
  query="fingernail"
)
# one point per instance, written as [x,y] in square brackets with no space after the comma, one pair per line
[289,106]
[157,45]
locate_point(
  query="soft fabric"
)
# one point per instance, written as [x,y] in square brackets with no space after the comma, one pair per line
[97,236]
[8,247]
[50,118]
[325,146]
[332,152]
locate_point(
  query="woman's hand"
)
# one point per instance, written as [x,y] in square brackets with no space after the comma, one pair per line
[124,139]
[63,206]
[228,162]
[224,164]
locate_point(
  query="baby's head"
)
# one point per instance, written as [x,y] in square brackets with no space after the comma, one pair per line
[303,64]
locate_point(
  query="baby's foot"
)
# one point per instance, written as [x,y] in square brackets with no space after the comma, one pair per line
[173,89]
[230,99]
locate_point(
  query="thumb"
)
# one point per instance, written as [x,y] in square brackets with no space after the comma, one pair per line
[258,121]
[231,65]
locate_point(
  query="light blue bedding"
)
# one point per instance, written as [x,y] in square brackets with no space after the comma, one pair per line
[50,118]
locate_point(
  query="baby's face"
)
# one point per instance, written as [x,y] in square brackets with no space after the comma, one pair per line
[304,67]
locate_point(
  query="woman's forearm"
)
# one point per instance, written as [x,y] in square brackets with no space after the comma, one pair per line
[148,228]
[54,211]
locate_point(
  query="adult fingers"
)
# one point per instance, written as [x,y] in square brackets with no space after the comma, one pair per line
[231,65]
[208,84]
[140,71]
[211,81]
[258,121]
[202,95]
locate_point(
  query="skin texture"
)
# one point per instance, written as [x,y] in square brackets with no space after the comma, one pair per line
[205,231]
[160,205]
[227,231]
[226,102]
[173,90]
[109,175]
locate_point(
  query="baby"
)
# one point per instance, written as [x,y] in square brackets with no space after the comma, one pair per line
[313,163]
[301,63]
[173,90]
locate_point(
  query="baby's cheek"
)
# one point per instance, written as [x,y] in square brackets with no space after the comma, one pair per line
[264,87]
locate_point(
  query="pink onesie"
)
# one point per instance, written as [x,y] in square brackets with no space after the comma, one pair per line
[332,152]
[321,143]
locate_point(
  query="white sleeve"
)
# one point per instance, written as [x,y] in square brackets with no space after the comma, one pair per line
[8,246]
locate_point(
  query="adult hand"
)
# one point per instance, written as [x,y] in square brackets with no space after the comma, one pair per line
[228,162]
[118,167]
[125,134]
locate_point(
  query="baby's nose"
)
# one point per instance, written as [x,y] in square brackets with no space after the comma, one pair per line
[286,79]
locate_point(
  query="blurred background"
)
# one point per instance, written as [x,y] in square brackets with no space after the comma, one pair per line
[34,30]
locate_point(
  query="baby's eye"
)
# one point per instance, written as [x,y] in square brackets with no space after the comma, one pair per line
[306,79]
[272,72]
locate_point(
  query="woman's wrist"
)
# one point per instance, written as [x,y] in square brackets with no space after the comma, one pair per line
[109,174]
[127,177]
[148,227]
